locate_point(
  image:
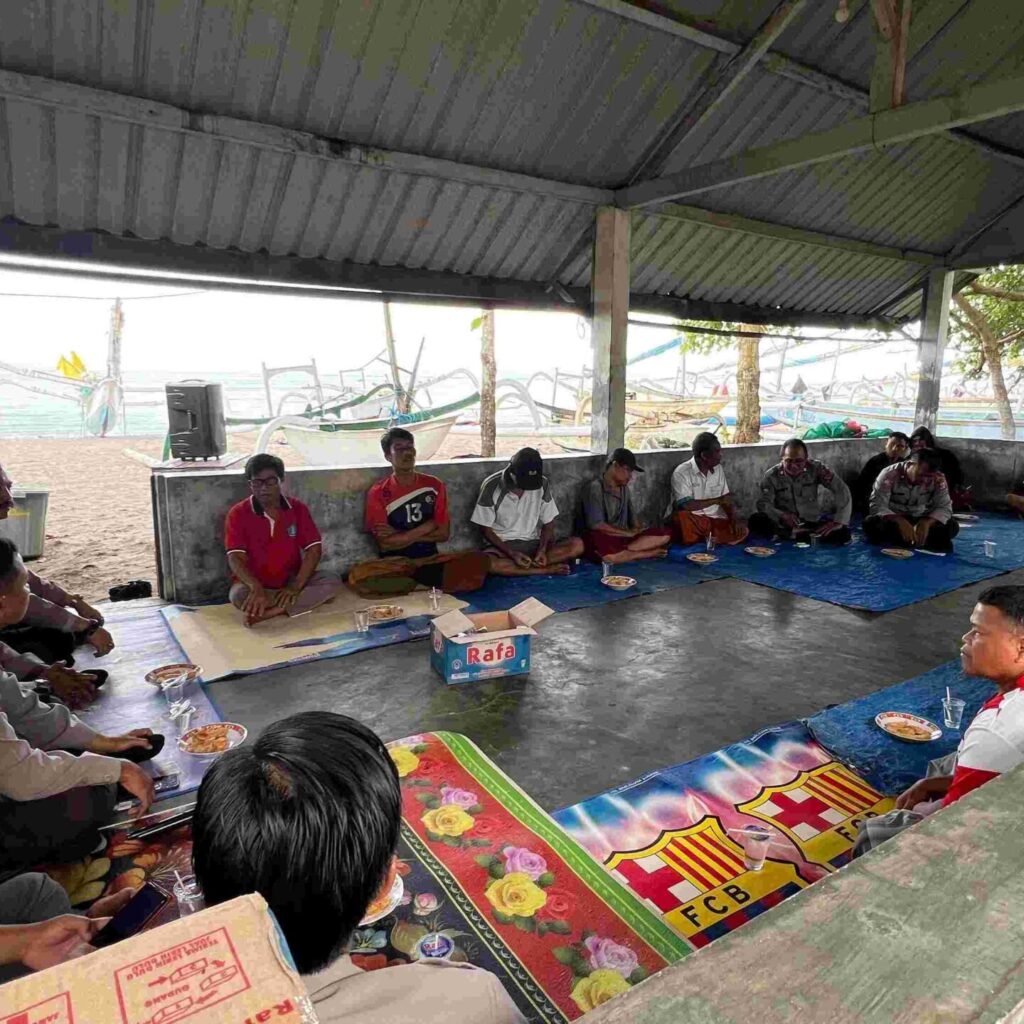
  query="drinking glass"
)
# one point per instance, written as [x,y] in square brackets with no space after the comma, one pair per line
[362,620]
[953,711]
[434,597]
[606,570]
[710,544]
[188,895]
[990,549]
[755,839]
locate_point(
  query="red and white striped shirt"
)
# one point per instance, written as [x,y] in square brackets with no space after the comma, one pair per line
[993,743]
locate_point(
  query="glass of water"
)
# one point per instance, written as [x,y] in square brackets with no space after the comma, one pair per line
[188,895]
[362,620]
[606,570]
[953,711]
[434,597]
[755,839]
[710,544]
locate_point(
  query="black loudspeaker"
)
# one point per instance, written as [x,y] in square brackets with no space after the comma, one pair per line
[195,420]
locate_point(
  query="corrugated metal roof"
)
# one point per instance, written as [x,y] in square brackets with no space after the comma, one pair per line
[560,89]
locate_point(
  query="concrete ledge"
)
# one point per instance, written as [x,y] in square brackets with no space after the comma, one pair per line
[189,508]
[927,928]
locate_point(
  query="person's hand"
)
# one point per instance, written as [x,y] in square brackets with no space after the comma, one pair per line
[102,642]
[75,688]
[790,520]
[921,531]
[827,527]
[287,596]
[139,784]
[58,940]
[524,561]
[540,559]
[384,530]
[906,530]
[86,610]
[137,739]
[255,603]
[918,793]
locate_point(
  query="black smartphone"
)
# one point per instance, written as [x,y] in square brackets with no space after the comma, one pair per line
[130,920]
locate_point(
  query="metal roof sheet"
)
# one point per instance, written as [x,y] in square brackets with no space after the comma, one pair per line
[560,89]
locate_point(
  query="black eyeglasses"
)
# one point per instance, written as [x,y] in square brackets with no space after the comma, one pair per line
[265,481]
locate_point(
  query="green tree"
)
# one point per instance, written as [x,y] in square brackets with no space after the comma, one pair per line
[987,328]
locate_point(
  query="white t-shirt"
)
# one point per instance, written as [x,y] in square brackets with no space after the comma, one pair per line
[690,484]
[512,516]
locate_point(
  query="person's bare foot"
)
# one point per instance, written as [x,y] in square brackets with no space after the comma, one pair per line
[108,906]
[270,613]
[562,569]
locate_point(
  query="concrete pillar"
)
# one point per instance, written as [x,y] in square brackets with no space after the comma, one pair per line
[610,311]
[938,292]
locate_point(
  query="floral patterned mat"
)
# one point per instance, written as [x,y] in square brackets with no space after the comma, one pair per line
[485,866]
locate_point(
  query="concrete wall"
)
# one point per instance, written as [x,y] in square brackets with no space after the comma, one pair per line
[189,507]
[928,927]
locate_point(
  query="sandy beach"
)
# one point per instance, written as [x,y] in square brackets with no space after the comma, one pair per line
[99,526]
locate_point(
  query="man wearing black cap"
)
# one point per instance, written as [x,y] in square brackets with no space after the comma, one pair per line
[613,531]
[517,514]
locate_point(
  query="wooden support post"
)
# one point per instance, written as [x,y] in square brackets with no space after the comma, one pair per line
[938,291]
[610,311]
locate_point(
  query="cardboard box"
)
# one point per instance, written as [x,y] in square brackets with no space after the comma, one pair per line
[461,655]
[228,964]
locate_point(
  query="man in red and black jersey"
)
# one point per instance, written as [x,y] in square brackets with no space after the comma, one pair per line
[407,513]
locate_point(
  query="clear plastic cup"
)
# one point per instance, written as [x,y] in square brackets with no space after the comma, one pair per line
[174,692]
[710,544]
[606,570]
[188,896]
[990,549]
[434,597]
[362,620]
[755,839]
[953,711]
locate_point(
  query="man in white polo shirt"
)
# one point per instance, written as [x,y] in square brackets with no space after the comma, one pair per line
[993,648]
[701,505]
[516,513]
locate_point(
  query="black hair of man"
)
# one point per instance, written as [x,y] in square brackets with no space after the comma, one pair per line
[1009,600]
[308,817]
[929,456]
[704,443]
[923,432]
[8,562]
[899,433]
[794,442]
[258,463]
[393,435]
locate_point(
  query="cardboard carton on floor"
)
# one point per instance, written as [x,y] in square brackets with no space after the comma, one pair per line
[502,647]
[225,964]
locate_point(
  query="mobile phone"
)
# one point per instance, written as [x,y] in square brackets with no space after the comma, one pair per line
[130,920]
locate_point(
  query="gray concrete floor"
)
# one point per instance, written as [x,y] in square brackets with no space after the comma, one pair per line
[622,689]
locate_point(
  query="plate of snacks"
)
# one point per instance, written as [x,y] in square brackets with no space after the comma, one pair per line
[387,899]
[760,552]
[167,673]
[702,558]
[385,612]
[212,740]
[902,725]
[618,582]
[898,553]
[965,517]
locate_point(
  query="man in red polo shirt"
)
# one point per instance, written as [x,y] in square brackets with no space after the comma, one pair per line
[273,549]
[407,514]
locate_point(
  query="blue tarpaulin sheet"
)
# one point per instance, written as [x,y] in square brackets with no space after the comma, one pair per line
[891,765]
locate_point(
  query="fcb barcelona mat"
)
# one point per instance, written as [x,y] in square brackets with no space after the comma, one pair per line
[216,637]
[890,765]
[674,836]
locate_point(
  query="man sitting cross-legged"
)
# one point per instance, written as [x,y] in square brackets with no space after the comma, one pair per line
[910,505]
[308,816]
[993,649]
[789,506]
[701,504]
[274,549]
[614,532]
[517,513]
[407,514]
